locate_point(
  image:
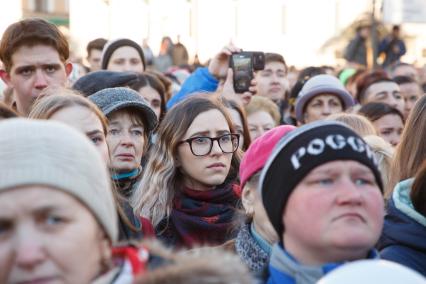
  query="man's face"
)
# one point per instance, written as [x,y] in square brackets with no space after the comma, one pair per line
[33,69]
[411,92]
[95,59]
[272,81]
[334,214]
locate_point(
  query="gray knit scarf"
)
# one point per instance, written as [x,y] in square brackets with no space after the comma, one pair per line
[249,251]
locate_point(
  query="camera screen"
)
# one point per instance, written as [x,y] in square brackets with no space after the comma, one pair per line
[242,64]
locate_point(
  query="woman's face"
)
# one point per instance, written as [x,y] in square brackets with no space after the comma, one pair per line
[126,141]
[48,236]
[87,122]
[125,58]
[153,97]
[390,128]
[252,204]
[385,92]
[207,171]
[259,122]
[238,125]
[321,106]
[334,214]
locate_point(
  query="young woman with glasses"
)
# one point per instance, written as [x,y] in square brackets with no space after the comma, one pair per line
[188,189]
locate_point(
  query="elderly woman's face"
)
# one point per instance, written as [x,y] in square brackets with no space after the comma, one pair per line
[334,214]
[321,106]
[48,236]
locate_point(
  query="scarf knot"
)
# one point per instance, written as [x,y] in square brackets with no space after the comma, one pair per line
[203,217]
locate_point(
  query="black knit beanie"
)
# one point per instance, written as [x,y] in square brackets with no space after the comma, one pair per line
[301,151]
[113,45]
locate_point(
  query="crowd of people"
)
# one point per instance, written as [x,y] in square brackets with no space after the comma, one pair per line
[148,170]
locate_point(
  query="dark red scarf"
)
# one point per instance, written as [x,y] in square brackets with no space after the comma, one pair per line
[204,217]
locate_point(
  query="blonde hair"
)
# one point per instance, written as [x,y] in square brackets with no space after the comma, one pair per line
[358,123]
[55,99]
[154,196]
[258,103]
[383,152]
[411,150]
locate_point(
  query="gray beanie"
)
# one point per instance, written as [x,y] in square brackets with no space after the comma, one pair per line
[318,85]
[114,99]
[40,152]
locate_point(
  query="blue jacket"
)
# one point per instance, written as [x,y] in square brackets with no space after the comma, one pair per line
[199,81]
[404,234]
[393,48]
[285,269]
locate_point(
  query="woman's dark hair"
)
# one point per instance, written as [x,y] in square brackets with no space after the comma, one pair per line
[375,111]
[246,134]
[418,191]
[7,112]
[401,80]
[144,80]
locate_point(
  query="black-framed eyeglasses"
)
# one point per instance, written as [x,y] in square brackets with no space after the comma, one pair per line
[202,145]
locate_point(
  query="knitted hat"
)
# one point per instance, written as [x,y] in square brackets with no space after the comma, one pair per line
[40,152]
[112,46]
[302,150]
[114,99]
[257,154]
[103,79]
[318,85]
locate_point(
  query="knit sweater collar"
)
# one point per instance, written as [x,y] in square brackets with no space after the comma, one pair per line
[249,250]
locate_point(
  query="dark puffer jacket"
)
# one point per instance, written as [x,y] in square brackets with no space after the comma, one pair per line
[404,234]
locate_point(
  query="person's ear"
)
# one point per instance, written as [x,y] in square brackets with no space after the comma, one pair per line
[247,198]
[305,117]
[68,68]
[105,250]
[5,77]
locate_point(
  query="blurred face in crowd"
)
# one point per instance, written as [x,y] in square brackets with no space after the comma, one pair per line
[272,81]
[411,92]
[125,58]
[385,92]
[406,70]
[87,122]
[253,206]
[390,128]
[48,236]
[321,106]
[33,69]
[94,59]
[259,122]
[334,214]
[126,140]
[208,169]
[238,125]
[153,97]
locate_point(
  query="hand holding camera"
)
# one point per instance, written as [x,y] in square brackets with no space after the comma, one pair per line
[243,65]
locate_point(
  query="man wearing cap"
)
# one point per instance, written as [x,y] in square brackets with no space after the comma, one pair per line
[322,192]
[321,96]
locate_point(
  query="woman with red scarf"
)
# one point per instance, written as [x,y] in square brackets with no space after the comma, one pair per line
[188,189]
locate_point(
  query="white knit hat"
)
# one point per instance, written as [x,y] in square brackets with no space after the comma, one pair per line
[36,152]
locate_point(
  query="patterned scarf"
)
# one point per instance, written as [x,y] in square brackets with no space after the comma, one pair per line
[203,217]
[250,251]
[124,182]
